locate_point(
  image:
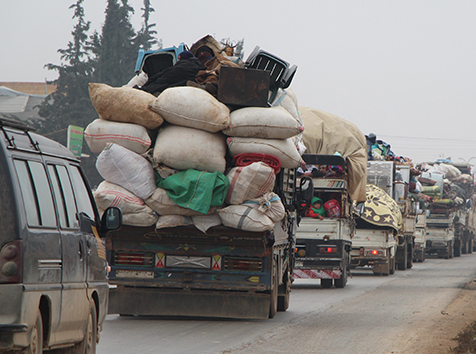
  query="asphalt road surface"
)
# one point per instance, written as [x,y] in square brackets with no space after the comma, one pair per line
[372,314]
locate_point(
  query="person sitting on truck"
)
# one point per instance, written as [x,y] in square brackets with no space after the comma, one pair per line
[309,171]
[186,68]
[317,209]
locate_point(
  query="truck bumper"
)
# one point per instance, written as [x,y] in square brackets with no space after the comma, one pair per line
[317,273]
[202,303]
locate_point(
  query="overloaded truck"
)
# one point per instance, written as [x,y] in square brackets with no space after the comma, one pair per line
[379,223]
[211,230]
[337,165]
[394,179]
[450,224]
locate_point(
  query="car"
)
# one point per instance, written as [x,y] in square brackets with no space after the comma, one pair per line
[53,269]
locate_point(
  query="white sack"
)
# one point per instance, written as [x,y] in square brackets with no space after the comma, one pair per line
[263,122]
[248,182]
[131,136]
[192,107]
[287,99]
[283,149]
[124,104]
[134,210]
[204,222]
[270,204]
[124,167]
[243,217]
[183,148]
[173,221]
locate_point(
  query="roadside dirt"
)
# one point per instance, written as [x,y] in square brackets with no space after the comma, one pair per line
[452,329]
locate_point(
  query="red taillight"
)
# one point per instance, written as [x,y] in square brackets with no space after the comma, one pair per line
[374,252]
[243,264]
[134,259]
[327,249]
[11,268]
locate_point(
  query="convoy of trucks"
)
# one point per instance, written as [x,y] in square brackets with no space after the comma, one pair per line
[372,217]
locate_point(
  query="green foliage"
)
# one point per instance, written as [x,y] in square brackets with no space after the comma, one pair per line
[108,57]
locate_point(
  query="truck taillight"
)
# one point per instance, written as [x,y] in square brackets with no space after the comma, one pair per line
[377,252]
[243,264]
[145,259]
[328,249]
[11,256]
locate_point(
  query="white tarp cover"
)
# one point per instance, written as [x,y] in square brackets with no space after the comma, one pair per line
[325,133]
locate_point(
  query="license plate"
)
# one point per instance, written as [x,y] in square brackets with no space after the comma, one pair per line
[298,263]
[134,274]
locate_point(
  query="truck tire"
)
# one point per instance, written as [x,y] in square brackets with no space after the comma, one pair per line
[456,249]
[36,339]
[284,292]
[402,264]
[392,265]
[340,283]
[464,247]
[273,305]
[470,245]
[326,283]
[410,251]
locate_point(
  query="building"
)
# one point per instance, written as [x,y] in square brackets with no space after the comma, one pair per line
[20,100]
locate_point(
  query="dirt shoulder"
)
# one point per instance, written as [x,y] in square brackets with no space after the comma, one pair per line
[440,337]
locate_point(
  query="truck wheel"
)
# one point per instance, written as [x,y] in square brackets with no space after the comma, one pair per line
[456,249]
[410,257]
[392,265]
[326,283]
[36,339]
[402,264]
[340,283]
[464,247]
[470,246]
[273,306]
[284,292]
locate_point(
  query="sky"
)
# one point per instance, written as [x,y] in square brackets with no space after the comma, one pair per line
[402,69]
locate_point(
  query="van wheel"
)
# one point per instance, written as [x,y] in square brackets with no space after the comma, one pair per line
[88,344]
[36,340]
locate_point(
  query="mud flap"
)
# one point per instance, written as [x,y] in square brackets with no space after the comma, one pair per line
[162,302]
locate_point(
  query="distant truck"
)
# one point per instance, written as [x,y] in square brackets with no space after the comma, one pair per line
[323,246]
[394,180]
[379,224]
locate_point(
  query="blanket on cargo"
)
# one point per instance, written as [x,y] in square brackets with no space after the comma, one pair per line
[325,133]
[380,209]
[196,190]
[177,75]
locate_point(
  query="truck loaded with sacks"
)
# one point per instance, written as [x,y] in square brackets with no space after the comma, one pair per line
[449,188]
[205,182]
[334,177]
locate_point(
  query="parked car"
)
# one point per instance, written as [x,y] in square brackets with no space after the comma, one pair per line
[53,269]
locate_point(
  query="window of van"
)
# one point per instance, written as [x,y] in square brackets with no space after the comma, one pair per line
[36,193]
[82,194]
[63,196]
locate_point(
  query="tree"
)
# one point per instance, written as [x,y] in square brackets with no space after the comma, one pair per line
[70,103]
[117,48]
[145,37]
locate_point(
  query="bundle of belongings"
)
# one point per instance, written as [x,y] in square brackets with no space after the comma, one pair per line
[445,186]
[172,154]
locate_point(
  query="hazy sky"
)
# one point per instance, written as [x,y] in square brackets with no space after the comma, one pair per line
[402,69]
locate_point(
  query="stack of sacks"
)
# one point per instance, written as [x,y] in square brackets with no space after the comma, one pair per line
[198,133]
[253,206]
[120,135]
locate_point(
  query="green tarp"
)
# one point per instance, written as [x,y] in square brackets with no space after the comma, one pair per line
[196,190]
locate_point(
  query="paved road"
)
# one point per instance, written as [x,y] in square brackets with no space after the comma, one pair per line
[372,314]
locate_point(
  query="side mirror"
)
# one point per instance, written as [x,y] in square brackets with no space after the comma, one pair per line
[359,208]
[111,219]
